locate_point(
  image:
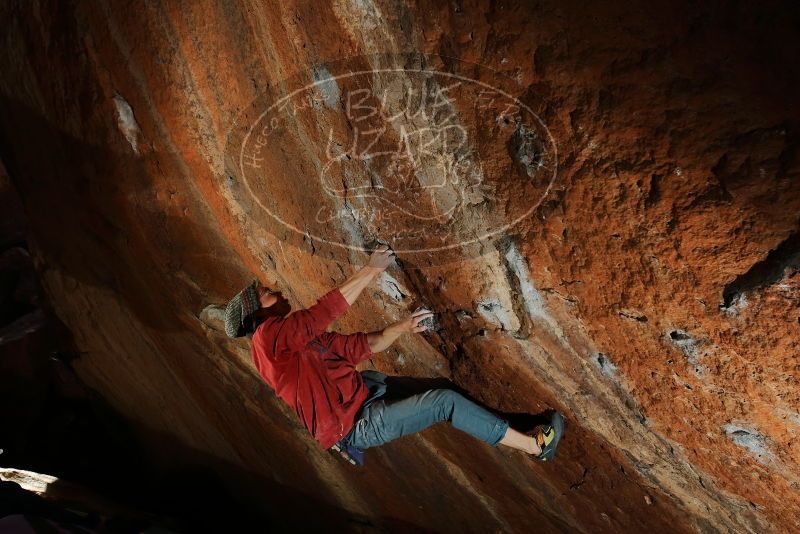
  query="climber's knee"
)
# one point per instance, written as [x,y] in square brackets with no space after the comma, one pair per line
[445,401]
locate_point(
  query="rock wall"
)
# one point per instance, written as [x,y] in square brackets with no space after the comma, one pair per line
[651,295]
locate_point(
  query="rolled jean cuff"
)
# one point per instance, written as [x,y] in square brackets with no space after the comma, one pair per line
[498,432]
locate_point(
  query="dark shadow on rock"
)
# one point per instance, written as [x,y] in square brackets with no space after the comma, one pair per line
[16,500]
[84,442]
[191,496]
[101,232]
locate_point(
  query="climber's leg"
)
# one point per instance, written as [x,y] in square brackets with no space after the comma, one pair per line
[520,441]
[383,421]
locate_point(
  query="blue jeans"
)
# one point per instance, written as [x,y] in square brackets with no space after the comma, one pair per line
[381,421]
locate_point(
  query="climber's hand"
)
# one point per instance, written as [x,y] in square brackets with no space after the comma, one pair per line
[381,258]
[379,341]
[412,323]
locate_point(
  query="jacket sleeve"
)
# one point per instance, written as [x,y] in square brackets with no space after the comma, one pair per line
[352,347]
[297,329]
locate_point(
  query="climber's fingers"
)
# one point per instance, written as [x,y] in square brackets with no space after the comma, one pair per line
[382,257]
[416,319]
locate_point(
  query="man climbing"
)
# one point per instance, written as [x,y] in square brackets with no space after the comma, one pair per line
[314,371]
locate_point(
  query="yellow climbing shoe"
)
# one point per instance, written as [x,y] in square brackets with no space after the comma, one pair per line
[548,436]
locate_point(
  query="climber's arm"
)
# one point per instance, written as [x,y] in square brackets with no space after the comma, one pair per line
[297,329]
[383,339]
[378,262]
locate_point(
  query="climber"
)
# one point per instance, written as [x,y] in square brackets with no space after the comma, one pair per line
[314,371]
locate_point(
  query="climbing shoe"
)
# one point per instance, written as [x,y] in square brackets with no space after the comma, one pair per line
[548,436]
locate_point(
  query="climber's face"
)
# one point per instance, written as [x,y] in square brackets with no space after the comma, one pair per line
[266,296]
[272,302]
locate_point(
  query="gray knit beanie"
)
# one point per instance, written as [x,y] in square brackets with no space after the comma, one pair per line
[239,309]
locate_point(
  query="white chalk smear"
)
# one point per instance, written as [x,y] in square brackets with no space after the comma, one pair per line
[127,122]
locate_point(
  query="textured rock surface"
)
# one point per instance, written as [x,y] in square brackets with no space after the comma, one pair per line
[653,296]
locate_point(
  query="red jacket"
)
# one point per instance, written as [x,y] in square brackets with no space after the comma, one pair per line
[312,370]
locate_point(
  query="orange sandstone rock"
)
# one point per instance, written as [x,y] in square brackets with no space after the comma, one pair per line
[651,294]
